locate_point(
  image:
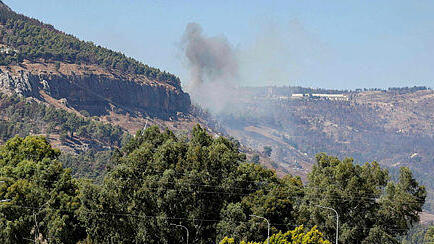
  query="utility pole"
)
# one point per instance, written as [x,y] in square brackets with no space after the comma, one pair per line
[337,221]
[182,227]
[268,229]
[35,215]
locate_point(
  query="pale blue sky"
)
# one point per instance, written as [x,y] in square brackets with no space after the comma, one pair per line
[330,44]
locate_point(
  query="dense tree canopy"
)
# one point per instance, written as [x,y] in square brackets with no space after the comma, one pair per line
[24,117]
[297,236]
[43,199]
[202,183]
[162,185]
[371,208]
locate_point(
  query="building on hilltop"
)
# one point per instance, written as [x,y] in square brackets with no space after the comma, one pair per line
[335,97]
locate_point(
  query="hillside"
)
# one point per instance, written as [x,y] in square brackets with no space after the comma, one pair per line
[394,127]
[40,62]
[37,60]
[85,98]
[26,38]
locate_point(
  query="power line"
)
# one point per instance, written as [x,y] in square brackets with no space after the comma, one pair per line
[144,216]
[125,214]
[172,186]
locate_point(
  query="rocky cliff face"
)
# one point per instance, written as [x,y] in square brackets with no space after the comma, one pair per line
[94,90]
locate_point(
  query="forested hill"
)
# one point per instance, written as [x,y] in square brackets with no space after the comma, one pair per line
[84,98]
[31,39]
[38,61]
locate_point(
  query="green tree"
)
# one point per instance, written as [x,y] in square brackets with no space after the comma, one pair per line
[297,236]
[43,197]
[371,207]
[169,180]
[429,236]
[255,159]
[202,183]
[271,197]
[416,235]
[40,118]
[267,151]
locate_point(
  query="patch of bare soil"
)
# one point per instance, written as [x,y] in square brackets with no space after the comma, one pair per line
[426,218]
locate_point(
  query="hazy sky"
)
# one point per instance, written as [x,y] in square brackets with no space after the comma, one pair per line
[330,44]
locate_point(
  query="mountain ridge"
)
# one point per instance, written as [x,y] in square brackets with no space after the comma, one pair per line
[33,40]
[37,58]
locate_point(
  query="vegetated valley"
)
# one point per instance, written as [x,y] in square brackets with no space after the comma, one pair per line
[96,147]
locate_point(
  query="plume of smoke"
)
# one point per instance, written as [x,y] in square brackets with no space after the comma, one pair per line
[278,53]
[213,67]
[210,58]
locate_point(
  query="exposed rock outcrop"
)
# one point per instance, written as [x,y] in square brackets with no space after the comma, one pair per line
[96,92]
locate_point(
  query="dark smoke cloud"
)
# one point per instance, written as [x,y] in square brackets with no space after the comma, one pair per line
[277,54]
[213,67]
[211,59]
